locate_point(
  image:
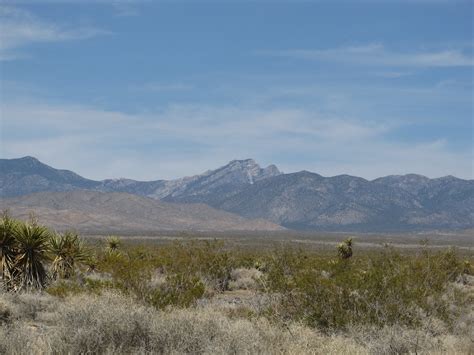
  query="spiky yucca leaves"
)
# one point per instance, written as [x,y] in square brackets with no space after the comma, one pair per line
[91,263]
[32,251]
[67,251]
[112,245]
[344,249]
[7,247]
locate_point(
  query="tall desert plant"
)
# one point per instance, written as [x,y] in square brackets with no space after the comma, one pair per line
[344,249]
[32,252]
[7,246]
[67,250]
[112,245]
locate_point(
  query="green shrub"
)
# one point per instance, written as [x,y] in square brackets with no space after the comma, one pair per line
[181,290]
[132,276]
[207,259]
[65,288]
[381,289]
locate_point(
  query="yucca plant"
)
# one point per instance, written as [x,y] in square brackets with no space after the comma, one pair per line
[67,250]
[32,251]
[112,244]
[91,263]
[344,249]
[7,247]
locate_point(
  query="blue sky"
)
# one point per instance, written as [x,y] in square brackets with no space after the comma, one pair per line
[152,90]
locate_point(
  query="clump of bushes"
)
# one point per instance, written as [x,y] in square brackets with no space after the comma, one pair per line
[381,289]
[207,259]
[181,290]
[385,291]
[113,323]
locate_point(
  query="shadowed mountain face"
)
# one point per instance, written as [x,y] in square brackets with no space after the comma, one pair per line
[309,201]
[300,200]
[26,175]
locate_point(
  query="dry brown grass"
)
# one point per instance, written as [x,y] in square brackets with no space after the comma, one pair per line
[245,279]
[112,323]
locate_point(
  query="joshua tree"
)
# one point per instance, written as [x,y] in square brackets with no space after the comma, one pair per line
[32,251]
[67,251]
[344,249]
[7,246]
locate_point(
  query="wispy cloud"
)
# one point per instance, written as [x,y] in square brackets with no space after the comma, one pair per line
[378,55]
[19,28]
[187,139]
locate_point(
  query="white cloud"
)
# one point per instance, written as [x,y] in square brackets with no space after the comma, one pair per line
[376,54]
[188,139]
[19,28]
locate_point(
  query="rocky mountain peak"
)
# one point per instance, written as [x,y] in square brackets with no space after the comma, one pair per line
[29,159]
[27,162]
[270,171]
[242,162]
[248,170]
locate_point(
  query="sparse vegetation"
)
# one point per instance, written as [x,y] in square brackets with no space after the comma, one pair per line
[207,297]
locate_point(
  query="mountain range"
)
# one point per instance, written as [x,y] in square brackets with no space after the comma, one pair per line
[302,200]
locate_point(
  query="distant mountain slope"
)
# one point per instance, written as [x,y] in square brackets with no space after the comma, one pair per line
[309,201]
[300,200]
[99,211]
[220,183]
[26,175]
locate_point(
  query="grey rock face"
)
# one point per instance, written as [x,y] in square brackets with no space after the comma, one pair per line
[217,185]
[301,200]
[221,182]
[345,203]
